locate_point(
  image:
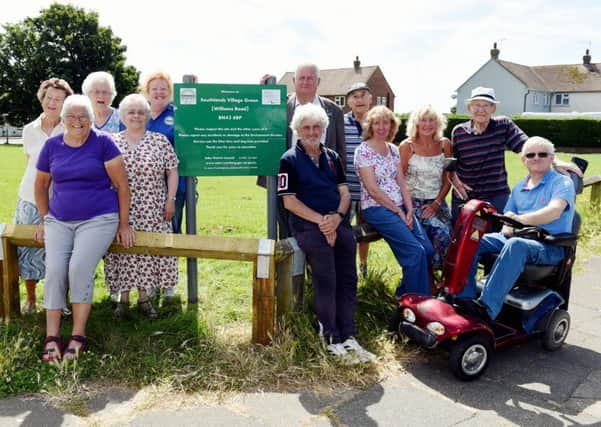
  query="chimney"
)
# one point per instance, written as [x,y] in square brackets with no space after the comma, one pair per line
[586,59]
[357,64]
[494,52]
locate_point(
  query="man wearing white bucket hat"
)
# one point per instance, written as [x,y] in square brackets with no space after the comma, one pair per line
[479,146]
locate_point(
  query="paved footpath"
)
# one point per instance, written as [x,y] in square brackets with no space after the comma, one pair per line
[522,386]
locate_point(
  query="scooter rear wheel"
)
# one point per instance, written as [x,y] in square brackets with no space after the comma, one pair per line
[557,330]
[469,357]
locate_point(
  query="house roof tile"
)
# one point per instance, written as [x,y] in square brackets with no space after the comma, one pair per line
[558,78]
[334,81]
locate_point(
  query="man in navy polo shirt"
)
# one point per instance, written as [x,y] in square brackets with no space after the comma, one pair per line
[544,198]
[312,185]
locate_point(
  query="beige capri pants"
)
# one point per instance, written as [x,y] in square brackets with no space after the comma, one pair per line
[73,250]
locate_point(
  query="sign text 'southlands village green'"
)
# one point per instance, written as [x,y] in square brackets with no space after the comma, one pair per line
[228,130]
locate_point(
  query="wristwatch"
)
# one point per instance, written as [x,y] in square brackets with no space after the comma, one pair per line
[341,214]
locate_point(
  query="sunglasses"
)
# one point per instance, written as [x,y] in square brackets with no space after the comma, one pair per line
[541,155]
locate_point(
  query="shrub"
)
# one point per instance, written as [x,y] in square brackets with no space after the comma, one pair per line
[562,132]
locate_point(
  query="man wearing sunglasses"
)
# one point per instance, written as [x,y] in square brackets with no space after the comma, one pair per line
[544,198]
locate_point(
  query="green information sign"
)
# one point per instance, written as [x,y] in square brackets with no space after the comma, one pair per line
[228,130]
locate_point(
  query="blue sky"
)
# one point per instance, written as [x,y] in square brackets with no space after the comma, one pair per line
[426,49]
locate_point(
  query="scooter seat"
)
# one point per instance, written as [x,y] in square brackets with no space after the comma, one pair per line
[531,273]
[534,272]
[524,297]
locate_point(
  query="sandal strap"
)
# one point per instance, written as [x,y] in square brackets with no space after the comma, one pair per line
[52,338]
[79,338]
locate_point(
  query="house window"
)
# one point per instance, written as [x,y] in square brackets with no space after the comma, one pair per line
[381,100]
[339,100]
[562,99]
[536,99]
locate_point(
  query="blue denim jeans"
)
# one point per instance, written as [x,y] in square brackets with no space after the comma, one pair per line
[411,248]
[514,254]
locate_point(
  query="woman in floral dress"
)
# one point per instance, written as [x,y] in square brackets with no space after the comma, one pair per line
[149,157]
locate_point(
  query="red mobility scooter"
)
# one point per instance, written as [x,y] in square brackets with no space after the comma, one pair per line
[536,306]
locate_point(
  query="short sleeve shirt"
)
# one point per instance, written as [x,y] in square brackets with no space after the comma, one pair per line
[81,187]
[33,141]
[316,187]
[553,186]
[385,169]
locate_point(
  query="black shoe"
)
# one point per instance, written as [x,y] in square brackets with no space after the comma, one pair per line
[147,309]
[121,311]
[475,308]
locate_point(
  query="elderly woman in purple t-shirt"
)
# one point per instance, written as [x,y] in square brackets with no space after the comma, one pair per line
[88,206]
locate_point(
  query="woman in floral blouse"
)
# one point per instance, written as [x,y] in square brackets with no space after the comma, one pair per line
[386,202]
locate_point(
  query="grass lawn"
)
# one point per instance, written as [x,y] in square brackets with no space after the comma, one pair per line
[206,348]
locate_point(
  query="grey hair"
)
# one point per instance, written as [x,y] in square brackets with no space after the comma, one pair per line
[309,112]
[129,101]
[77,101]
[307,65]
[99,77]
[538,141]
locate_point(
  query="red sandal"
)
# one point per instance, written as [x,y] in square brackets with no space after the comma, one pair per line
[52,354]
[73,353]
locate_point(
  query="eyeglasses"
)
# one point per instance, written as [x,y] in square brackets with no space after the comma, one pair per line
[71,118]
[481,107]
[541,155]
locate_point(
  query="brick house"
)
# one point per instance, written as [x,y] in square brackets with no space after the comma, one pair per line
[335,82]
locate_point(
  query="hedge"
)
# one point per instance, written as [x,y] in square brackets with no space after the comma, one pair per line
[562,132]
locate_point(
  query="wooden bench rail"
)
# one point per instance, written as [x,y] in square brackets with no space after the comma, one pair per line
[595,183]
[260,252]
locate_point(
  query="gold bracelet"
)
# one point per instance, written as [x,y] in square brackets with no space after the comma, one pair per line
[437,202]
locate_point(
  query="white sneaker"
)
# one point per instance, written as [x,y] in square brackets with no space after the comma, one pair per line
[338,350]
[352,347]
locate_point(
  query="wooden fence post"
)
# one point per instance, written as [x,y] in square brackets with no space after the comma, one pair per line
[10,282]
[283,279]
[596,195]
[264,293]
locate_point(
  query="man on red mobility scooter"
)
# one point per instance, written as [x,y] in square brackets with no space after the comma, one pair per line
[527,290]
[545,198]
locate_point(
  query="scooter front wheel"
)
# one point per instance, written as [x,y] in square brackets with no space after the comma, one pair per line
[469,357]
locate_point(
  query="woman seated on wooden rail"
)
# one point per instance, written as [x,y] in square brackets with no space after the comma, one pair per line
[88,206]
[313,187]
[51,94]
[422,160]
[386,201]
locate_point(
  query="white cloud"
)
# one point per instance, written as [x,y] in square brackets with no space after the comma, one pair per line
[426,49]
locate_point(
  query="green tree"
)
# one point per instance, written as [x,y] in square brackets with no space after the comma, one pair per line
[63,41]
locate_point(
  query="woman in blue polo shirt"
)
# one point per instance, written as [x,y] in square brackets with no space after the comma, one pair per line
[313,188]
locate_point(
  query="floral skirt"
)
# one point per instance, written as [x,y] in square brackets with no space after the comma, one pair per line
[31,260]
[438,229]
